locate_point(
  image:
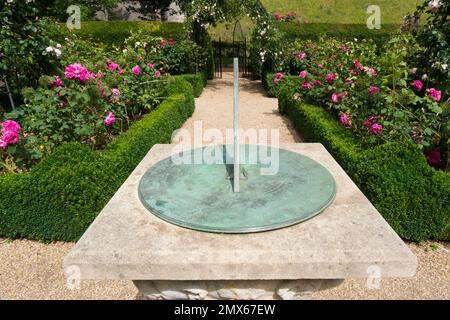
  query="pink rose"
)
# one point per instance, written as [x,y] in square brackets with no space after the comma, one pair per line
[434,158]
[334,98]
[57,83]
[112,65]
[278,77]
[77,71]
[157,74]
[417,84]
[373,90]
[121,72]
[277,16]
[346,120]
[331,77]
[369,121]
[376,128]
[337,97]
[164,43]
[372,72]
[136,70]
[358,65]
[116,91]
[110,119]
[317,83]
[302,55]
[435,94]
[10,126]
[10,137]
[307,85]
[302,74]
[151,66]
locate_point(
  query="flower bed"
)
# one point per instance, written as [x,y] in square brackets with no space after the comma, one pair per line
[375,95]
[97,94]
[413,197]
[61,196]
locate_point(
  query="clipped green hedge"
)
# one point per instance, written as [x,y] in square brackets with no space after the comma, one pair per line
[300,31]
[413,197]
[115,32]
[197,81]
[60,197]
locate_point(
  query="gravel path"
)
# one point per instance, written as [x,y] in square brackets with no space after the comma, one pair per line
[214,109]
[33,270]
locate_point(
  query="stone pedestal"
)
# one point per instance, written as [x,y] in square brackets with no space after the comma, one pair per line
[350,239]
[232,290]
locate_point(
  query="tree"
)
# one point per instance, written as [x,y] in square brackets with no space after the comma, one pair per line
[153,8]
[57,8]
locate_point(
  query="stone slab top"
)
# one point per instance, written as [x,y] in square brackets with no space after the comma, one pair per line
[347,240]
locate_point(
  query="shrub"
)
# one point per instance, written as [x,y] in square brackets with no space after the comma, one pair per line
[171,56]
[434,36]
[197,81]
[413,197]
[344,32]
[60,196]
[377,96]
[85,106]
[23,42]
[115,32]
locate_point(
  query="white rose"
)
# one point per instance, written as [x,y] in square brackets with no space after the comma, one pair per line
[58,46]
[444,66]
[49,49]
[425,77]
[58,52]
[434,5]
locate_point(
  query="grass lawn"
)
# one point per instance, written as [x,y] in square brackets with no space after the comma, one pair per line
[342,11]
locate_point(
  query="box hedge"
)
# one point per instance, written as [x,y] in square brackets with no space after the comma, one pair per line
[115,32]
[61,196]
[197,81]
[413,197]
[345,32]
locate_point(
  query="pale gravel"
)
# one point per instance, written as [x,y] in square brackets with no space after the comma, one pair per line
[33,270]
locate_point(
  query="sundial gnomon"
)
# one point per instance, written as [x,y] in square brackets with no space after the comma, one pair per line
[236,197]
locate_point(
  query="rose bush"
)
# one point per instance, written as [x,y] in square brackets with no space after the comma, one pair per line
[26,48]
[168,55]
[86,105]
[376,95]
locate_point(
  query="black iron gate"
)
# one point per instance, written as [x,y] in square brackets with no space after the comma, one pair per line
[218,59]
[224,52]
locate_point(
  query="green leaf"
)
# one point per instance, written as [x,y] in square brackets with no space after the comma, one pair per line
[12,149]
[436,109]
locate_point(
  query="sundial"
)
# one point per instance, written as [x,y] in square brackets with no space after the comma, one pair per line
[239,192]
[149,239]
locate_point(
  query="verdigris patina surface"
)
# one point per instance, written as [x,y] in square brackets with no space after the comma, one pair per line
[200,195]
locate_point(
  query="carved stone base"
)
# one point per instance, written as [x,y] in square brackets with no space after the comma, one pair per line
[232,290]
